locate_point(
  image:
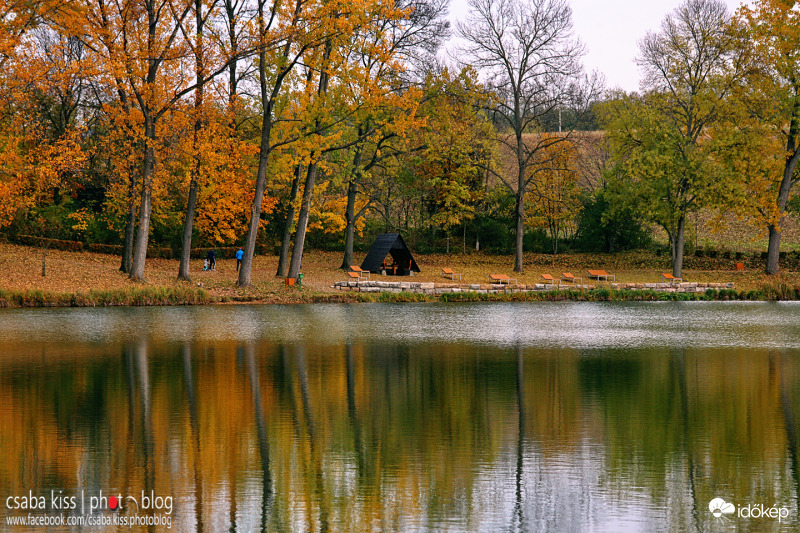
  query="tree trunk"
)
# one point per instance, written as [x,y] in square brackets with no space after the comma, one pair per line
[773,250]
[520,212]
[233,40]
[350,229]
[677,249]
[267,102]
[520,195]
[143,233]
[350,210]
[258,199]
[130,227]
[287,229]
[302,221]
[774,247]
[188,223]
[308,190]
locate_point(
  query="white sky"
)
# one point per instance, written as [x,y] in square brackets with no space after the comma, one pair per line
[611,31]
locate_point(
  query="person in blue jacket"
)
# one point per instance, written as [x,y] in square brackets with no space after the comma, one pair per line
[239,255]
[212,259]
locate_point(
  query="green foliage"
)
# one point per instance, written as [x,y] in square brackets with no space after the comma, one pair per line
[603,227]
[780,291]
[495,236]
[493,225]
[538,241]
[602,293]
[404,296]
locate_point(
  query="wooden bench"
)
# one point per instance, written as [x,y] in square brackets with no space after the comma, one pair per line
[601,274]
[671,279]
[567,276]
[355,275]
[361,273]
[451,273]
[550,280]
[502,278]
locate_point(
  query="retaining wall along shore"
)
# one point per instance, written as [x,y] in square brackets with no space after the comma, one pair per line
[493,288]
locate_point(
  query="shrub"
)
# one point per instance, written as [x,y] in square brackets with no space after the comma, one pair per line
[160,252]
[53,244]
[603,228]
[404,296]
[223,252]
[780,291]
[111,249]
[602,294]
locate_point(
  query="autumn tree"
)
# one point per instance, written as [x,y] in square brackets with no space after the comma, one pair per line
[531,61]
[554,196]
[773,29]
[386,101]
[18,17]
[138,44]
[318,100]
[347,88]
[285,33]
[457,148]
[43,125]
[196,43]
[35,111]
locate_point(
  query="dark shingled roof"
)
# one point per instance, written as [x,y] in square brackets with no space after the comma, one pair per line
[389,244]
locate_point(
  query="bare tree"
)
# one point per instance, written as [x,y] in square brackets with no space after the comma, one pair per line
[530,59]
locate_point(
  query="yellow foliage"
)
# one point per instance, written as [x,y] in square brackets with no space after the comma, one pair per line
[552,201]
[82,217]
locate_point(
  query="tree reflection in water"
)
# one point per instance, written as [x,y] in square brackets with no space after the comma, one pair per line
[375,435]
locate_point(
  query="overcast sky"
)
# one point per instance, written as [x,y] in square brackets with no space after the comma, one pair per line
[611,31]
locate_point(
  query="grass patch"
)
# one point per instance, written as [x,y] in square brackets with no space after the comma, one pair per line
[133,296]
[611,295]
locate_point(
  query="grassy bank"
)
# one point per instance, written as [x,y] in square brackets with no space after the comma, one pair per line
[132,296]
[93,279]
[155,296]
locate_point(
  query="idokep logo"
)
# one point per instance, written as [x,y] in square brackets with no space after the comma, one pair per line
[719,507]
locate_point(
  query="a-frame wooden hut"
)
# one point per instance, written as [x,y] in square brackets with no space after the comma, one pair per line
[390,244]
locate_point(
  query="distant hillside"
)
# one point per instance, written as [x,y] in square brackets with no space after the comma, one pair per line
[734,235]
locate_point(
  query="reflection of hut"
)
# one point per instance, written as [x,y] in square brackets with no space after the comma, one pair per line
[390,253]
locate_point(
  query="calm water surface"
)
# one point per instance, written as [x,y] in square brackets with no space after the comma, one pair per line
[382,417]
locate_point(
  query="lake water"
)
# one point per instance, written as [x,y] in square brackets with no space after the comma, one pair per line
[402,417]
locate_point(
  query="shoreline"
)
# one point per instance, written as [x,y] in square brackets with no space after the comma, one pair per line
[86,279]
[171,296]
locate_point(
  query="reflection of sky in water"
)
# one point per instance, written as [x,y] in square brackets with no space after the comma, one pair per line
[547,324]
